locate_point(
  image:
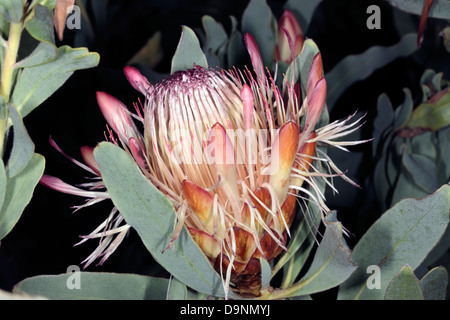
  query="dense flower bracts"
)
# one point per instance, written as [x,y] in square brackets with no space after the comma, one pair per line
[233,154]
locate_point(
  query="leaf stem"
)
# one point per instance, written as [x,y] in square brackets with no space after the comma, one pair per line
[15,32]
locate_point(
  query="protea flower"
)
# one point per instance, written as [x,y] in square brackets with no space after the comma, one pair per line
[232,154]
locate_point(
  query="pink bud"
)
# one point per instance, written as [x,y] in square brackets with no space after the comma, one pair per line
[117,116]
[255,55]
[290,38]
[137,80]
[88,156]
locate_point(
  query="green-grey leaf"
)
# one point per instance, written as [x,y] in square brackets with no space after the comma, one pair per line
[40,26]
[36,84]
[95,286]
[404,286]
[433,114]
[23,147]
[176,290]
[422,170]
[19,191]
[440,8]
[445,33]
[331,264]
[149,212]
[434,284]
[43,53]
[301,66]
[405,187]
[443,149]
[303,10]
[403,112]
[385,118]
[12,10]
[188,52]
[259,21]
[344,74]
[266,273]
[235,49]
[3,181]
[424,144]
[404,234]
[216,36]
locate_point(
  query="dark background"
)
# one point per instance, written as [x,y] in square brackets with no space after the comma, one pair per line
[42,241]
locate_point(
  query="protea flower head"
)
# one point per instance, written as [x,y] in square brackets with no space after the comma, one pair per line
[233,154]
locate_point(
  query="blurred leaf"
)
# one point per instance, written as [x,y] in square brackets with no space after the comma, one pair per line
[19,191]
[36,84]
[235,50]
[425,145]
[403,112]
[433,114]
[149,212]
[12,10]
[422,170]
[404,286]
[440,8]
[434,284]
[176,290]
[443,150]
[22,148]
[445,33]
[405,187]
[216,39]
[150,54]
[60,16]
[382,122]
[303,10]
[48,3]
[344,74]
[404,234]
[40,26]
[259,21]
[266,273]
[95,286]
[3,181]
[188,52]
[331,264]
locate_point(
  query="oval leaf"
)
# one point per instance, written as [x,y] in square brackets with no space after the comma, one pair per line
[404,286]
[40,26]
[36,84]
[149,212]
[23,146]
[404,234]
[188,53]
[19,191]
[90,285]
[434,284]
